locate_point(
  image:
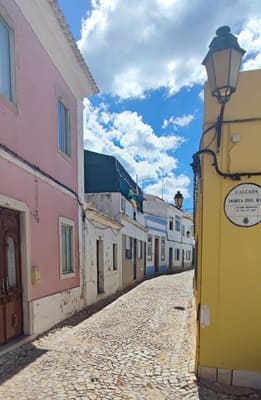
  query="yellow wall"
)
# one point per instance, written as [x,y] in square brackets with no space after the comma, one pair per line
[229,257]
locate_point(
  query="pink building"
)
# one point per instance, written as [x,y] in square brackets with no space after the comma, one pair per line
[43,80]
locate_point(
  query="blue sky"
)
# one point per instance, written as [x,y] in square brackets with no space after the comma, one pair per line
[145,57]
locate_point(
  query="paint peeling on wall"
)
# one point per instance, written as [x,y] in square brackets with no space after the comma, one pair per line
[204,316]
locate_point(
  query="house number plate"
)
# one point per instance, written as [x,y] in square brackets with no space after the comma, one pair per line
[243,205]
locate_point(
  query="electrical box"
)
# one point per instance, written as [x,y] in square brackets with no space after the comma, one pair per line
[36,276]
[235,138]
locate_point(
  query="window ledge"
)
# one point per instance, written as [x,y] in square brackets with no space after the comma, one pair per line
[68,276]
[65,156]
[8,104]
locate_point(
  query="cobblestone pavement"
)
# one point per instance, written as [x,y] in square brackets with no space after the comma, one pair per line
[138,347]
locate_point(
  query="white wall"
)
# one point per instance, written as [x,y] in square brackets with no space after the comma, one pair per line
[50,310]
[156,229]
[175,240]
[112,278]
[107,203]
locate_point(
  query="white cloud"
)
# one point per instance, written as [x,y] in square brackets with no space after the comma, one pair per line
[178,122]
[201,95]
[250,40]
[136,146]
[168,186]
[136,46]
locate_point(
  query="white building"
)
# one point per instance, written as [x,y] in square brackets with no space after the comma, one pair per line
[113,193]
[102,243]
[170,236]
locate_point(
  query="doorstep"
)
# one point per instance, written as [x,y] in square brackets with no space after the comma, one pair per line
[15,343]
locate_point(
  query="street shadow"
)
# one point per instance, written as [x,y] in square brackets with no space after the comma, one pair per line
[216,391]
[15,361]
[88,311]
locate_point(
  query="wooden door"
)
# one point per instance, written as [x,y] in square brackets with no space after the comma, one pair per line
[183,258]
[11,315]
[156,255]
[170,258]
[100,266]
[145,259]
[134,259]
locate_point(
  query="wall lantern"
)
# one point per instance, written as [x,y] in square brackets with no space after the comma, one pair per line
[178,198]
[222,64]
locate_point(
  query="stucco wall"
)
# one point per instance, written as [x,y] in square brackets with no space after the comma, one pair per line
[112,278]
[19,184]
[128,265]
[229,255]
[30,129]
[50,310]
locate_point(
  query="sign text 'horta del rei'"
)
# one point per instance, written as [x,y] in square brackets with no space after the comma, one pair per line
[243,205]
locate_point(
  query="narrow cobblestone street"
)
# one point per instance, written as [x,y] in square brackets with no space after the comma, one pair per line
[138,347]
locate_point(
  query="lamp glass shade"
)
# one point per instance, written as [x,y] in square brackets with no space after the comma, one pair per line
[222,64]
[221,61]
[178,199]
[235,62]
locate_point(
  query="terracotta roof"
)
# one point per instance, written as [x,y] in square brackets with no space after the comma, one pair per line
[66,30]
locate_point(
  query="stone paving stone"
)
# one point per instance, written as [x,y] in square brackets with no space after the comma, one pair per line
[139,347]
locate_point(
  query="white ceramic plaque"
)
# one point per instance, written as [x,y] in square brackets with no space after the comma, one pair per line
[243,205]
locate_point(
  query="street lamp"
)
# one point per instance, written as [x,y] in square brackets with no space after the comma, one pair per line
[178,198]
[222,64]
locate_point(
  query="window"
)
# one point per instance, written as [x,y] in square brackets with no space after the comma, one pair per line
[177,223]
[177,251]
[183,230]
[149,249]
[171,224]
[115,256]
[123,204]
[188,234]
[128,248]
[64,131]
[6,62]
[162,249]
[140,249]
[67,247]
[188,255]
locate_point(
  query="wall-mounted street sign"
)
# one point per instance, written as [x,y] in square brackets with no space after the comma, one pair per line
[243,205]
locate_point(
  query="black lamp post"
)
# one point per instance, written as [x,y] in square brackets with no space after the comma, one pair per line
[222,64]
[178,198]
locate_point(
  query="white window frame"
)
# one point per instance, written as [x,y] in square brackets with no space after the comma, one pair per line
[177,223]
[67,134]
[188,255]
[123,204]
[162,248]
[11,100]
[128,247]
[71,223]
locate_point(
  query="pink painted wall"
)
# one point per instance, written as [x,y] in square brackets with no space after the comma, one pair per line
[52,204]
[31,131]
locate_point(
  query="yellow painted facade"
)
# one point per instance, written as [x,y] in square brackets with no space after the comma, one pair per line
[228,289]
